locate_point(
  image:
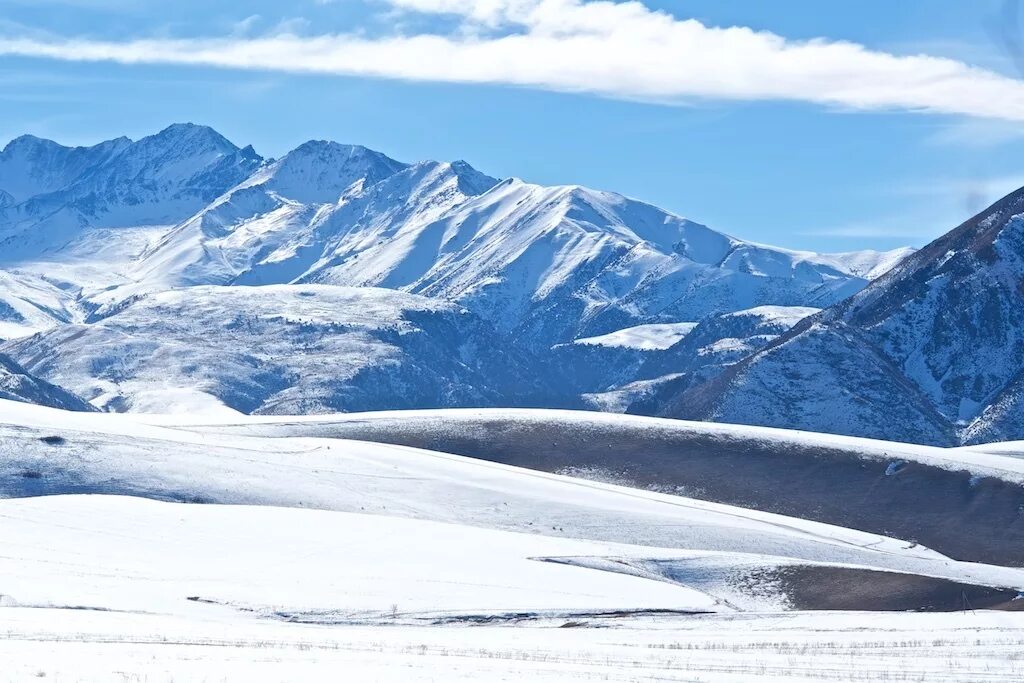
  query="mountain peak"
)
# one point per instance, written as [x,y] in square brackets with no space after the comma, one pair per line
[328,152]
[471,181]
[187,128]
[157,180]
[318,171]
[28,142]
[328,147]
[31,165]
[191,135]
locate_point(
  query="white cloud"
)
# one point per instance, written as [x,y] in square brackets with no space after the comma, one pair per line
[613,49]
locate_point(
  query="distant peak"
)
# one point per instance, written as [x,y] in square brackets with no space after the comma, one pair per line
[580,193]
[191,133]
[576,191]
[464,170]
[471,181]
[25,142]
[330,147]
[327,154]
[28,139]
[31,143]
[179,128]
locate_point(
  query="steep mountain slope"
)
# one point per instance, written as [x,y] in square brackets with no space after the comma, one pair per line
[932,351]
[1000,420]
[635,368]
[726,338]
[283,349]
[825,378]
[370,218]
[16,384]
[254,232]
[550,264]
[160,179]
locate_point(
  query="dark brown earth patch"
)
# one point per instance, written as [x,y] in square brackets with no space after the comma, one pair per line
[809,587]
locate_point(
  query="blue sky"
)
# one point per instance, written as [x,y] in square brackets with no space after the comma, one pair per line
[785,154]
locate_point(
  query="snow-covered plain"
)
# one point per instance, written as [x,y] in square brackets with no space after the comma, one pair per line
[98,647]
[395,563]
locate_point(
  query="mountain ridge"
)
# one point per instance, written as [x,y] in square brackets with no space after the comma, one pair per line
[536,267]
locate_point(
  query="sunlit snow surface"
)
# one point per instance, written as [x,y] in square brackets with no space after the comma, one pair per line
[395,563]
[98,647]
[654,337]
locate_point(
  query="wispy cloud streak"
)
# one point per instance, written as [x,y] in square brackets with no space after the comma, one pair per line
[613,49]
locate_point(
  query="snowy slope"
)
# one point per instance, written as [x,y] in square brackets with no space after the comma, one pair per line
[74,453]
[825,378]
[654,337]
[405,547]
[29,304]
[550,264]
[963,504]
[257,234]
[281,349]
[979,461]
[931,352]
[353,566]
[634,369]
[17,384]
[247,227]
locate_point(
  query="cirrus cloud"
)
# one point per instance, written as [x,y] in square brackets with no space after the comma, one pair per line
[612,49]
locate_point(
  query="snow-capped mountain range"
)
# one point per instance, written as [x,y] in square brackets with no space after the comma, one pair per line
[94,240]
